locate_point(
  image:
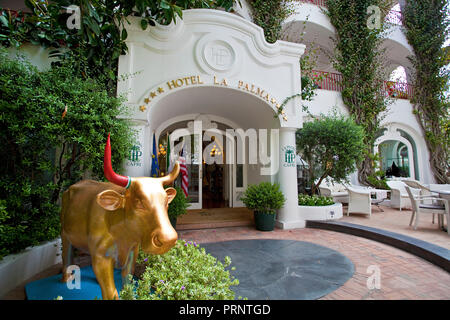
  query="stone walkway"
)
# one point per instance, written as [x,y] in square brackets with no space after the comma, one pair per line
[398,221]
[402,275]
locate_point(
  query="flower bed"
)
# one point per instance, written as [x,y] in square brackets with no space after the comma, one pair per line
[186,272]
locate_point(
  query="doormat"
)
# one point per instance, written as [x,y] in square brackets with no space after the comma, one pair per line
[50,288]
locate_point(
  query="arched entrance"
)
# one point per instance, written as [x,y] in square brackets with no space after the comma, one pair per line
[220,140]
[216,64]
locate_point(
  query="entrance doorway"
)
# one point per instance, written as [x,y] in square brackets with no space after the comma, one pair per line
[212,182]
[214,186]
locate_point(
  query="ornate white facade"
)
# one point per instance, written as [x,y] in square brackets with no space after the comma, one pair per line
[216,68]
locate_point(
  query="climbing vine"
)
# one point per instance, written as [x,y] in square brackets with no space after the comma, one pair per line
[427,28]
[269,15]
[359,59]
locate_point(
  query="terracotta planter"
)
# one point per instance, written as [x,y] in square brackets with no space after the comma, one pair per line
[264,221]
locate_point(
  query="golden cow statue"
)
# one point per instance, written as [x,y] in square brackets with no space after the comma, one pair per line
[113,219]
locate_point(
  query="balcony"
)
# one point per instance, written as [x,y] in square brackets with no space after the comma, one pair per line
[333,82]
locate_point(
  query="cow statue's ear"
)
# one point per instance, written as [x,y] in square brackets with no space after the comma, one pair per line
[171,193]
[111,200]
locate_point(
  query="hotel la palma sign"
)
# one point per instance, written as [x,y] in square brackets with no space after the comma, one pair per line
[197,80]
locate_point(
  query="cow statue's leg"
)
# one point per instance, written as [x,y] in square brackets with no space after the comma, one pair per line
[104,272]
[67,257]
[129,264]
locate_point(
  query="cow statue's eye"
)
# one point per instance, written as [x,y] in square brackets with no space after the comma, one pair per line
[139,204]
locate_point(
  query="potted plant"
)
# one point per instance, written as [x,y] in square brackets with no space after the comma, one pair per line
[177,206]
[264,199]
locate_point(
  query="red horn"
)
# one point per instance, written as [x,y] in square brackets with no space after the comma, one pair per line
[108,170]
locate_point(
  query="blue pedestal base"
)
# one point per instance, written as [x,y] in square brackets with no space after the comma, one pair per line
[51,287]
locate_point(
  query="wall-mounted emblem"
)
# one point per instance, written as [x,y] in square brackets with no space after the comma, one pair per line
[288,156]
[135,156]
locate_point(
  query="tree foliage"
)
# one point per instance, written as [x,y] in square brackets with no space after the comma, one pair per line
[270,15]
[359,58]
[331,145]
[53,127]
[427,29]
[102,33]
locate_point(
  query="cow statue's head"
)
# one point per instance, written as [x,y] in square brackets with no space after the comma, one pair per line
[145,203]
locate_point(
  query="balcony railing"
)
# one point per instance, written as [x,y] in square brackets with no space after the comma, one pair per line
[398,89]
[393,17]
[322,3]
[333,82]
[327,80]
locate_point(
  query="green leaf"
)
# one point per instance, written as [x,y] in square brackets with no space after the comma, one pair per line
[4,21]
[144,24]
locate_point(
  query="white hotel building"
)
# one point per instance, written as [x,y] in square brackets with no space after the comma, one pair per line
[215,69]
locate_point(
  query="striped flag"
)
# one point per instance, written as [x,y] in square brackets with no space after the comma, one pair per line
[184,174]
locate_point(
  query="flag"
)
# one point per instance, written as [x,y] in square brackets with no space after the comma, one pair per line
[168,168]
[155,166]
[184,174]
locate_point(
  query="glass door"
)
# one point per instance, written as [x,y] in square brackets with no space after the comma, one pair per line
[194,168]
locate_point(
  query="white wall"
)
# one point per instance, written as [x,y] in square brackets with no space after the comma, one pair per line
[37,55]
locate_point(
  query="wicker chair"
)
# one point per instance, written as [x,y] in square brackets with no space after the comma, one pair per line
[360,201]
[420,208]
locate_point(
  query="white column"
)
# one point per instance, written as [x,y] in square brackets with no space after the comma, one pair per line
[136,165]
[288,216]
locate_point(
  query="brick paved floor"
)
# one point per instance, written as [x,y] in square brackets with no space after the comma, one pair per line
[398,221]
[402,275]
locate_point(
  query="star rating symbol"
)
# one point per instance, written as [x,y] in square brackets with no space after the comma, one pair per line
[152,95]
[143,108]
[160,90]
[146,100]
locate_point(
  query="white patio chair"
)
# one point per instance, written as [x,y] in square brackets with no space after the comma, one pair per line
[424,191]
[399,196]
[335,190]
[421,208]
[360,201]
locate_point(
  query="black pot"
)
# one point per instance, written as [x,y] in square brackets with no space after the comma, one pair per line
[264,221]
[173,221]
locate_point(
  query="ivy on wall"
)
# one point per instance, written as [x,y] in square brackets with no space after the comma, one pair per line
[269,15]
[427,28]
[359,59]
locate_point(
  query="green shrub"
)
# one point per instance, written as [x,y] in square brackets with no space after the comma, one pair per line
[186,272]
[306,200]
[264,197]
[332,145]
[43,151]
[179,204]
